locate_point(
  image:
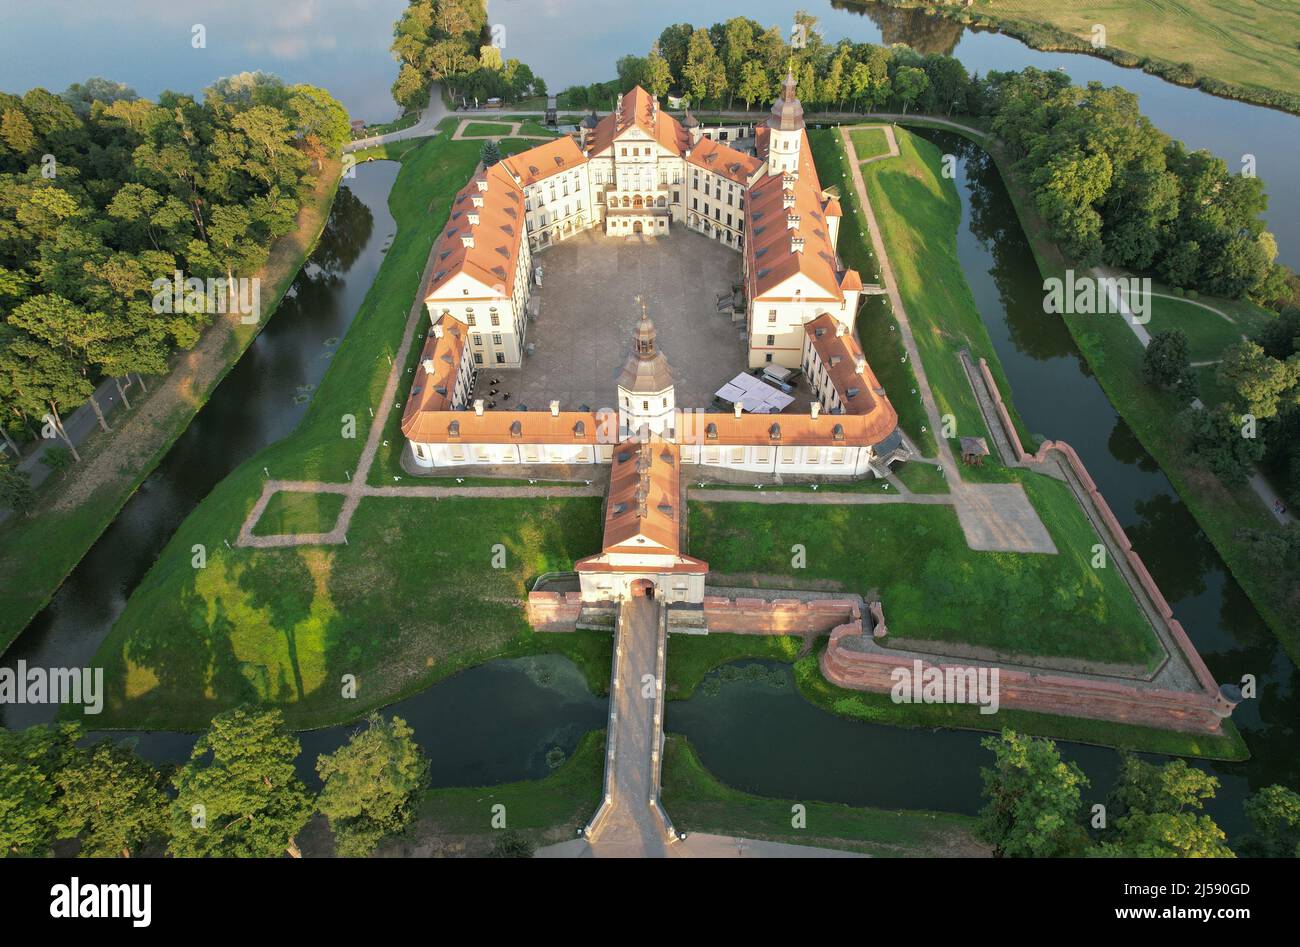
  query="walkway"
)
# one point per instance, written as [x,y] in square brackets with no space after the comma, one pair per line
[630,823]
[1258,483]
[430,116]
[459,133]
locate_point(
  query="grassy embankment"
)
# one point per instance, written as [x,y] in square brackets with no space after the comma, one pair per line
[38,552]
[1238,49]
[1114,356]
[411,599]
[698,802]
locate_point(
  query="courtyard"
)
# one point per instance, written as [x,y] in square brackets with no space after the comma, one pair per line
[588,307]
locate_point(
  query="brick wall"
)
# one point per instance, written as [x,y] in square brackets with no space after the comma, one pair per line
[1197,712]
[781,616]
[554,611]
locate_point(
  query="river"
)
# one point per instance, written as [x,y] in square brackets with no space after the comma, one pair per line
[754,735]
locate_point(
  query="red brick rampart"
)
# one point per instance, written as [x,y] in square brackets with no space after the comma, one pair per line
[779,616]
[1098,502]
[554,611]
[1196,712]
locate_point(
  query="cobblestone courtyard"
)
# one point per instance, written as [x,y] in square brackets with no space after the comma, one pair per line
[588,308]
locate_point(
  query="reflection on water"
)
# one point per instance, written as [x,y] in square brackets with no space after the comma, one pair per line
[491,724]
[924,32]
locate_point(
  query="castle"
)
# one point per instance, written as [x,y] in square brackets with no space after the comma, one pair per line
[641,171]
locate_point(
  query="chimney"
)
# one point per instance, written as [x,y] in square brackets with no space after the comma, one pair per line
[428,366]
[787,200]
[468,240]
[472,217]
[476,200]
[796,244]
[555,409]
[739,406]
[840,328]
[437,331]
[816,409]
[478,407]
[791,221]
[860,364]
[482,183]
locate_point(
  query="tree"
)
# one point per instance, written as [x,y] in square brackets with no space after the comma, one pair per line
[656,75]
[15,489]
[755,83]
[489,153]
[1274,814]
[1167,362]
[1261,385]
[704,76]
[111,800]
[370,785]
[238,796]
[1223,441]
[909,84]
[29,806]
[1034,799]
[1154,812]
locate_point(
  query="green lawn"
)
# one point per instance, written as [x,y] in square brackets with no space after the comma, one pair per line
[487,128]
[1247,44]
[1207,334]
[923,478]
[299,513]
[932,585]
[919,212]
[410,599]
[869,143]
[697,802]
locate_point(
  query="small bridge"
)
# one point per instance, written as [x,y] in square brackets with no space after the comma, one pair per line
[631,822]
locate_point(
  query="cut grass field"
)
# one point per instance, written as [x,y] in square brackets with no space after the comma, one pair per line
[1245,43]
[1208,334]
[409,600]
[698,802]
[38,552]
[407,595]
[933,586]
[487,128]
[299,513]
[869,143]
[919,212]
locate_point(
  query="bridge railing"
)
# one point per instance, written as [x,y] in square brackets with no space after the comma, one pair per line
[611,731]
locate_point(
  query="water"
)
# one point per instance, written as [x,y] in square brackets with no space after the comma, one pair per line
[491,724]
[508,714]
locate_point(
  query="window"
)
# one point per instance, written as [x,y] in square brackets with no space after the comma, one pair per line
[494,318]
[469,317]
[771,317]
[771,340]
[645,405]
[665,402]
[768,357]
[623,151]
[501,358]
[496,338]
[478,339]
[478,358]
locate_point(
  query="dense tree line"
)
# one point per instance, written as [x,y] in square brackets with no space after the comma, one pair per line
[238,795]
[1035,809]
[449,41]
[103,192]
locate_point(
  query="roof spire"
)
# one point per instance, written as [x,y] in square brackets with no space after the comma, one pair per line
[643,337]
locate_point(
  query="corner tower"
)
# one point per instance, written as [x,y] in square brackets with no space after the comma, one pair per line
[785,130]
[646,395]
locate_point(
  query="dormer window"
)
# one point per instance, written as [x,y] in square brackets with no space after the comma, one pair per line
[837,432]
[711,431]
